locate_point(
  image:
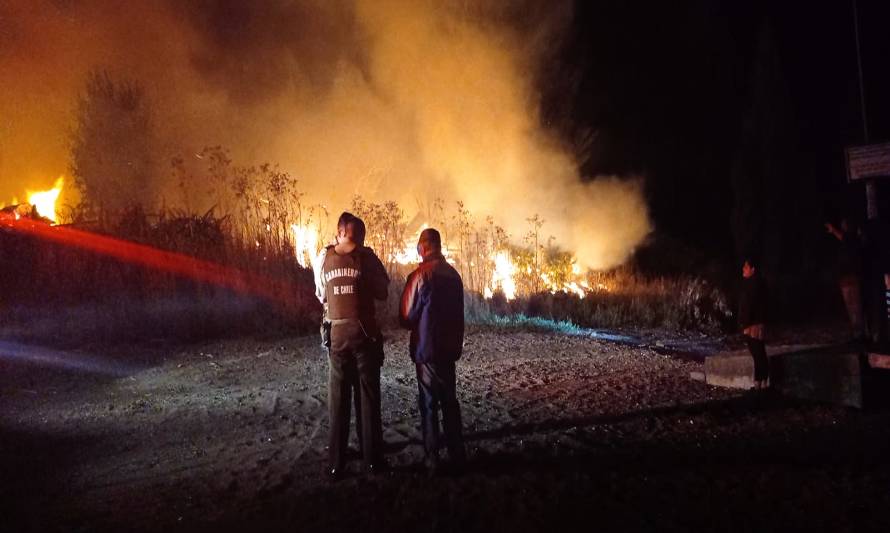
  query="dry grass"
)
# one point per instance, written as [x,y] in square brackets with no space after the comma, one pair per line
[249,229]
[626,300]
[65,295]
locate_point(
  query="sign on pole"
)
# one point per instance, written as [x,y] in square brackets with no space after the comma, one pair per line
[869,161]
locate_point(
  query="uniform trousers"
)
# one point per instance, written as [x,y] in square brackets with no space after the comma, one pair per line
[348,367]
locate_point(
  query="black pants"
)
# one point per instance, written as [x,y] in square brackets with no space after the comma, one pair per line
[437,385]
[761,362]
[359,368]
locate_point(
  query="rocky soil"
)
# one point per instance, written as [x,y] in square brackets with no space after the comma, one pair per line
[564,431]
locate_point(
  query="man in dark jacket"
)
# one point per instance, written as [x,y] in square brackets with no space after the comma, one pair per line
[752,319]
[433,309]
[350,277]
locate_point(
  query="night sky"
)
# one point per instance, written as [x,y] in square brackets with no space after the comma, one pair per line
[666,91]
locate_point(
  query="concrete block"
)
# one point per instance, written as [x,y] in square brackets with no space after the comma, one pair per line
[830,374]
[735,369]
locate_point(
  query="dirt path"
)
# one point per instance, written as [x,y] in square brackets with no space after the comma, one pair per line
[559,428]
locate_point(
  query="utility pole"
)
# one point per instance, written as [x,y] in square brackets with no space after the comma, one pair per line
[871,187]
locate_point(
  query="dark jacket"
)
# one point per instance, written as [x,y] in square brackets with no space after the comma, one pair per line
[371,284]
[433,309]
[752,301]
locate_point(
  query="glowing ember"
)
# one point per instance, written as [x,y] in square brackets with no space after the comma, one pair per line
[45,201]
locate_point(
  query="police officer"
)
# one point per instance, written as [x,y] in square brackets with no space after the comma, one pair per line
[350,278]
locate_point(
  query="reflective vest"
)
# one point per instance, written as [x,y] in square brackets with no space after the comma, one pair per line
[342,274]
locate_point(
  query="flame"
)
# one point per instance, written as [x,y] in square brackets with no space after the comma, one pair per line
[45,201]
[305,244]
[505,272]
[409,256]
[502,278]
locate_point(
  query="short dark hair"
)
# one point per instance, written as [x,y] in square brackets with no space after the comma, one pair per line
[348,220]
[358,230]
[345,218]
[432,237]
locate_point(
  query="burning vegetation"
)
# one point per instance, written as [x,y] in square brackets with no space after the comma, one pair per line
[483,254]
[246,264]
[40,205]
[409,115]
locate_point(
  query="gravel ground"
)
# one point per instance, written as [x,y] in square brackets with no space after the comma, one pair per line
[563,431]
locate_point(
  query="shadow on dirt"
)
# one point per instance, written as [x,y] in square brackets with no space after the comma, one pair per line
[827,478]
[35,469]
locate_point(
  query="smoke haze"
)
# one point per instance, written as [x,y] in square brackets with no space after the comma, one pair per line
[400,100]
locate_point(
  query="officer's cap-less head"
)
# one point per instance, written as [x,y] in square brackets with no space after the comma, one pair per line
[352,226]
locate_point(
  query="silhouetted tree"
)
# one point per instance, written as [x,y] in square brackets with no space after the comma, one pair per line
[112,146]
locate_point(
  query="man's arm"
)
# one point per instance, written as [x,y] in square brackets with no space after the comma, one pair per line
[409,308]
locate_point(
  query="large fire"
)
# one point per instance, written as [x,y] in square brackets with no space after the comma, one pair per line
[503,277]
[306,244]
[43,202]
[503,265]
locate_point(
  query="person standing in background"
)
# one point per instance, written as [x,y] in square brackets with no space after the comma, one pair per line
[849,273]
[752,320]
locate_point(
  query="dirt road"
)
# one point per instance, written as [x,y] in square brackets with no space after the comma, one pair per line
[562,431]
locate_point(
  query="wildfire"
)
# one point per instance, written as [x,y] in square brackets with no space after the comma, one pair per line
[408,255]
[502,277]
[45,201]
[505,273]
[39,203]
[305,244]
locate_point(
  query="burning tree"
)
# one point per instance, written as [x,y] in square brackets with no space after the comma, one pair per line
[386,228]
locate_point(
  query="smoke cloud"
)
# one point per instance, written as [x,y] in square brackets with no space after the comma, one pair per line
[402,100]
